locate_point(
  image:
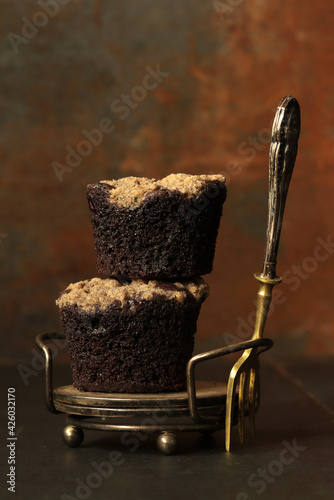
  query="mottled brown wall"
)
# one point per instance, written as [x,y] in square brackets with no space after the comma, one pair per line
[229,63]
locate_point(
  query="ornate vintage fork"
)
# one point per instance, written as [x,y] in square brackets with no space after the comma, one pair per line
[245,372]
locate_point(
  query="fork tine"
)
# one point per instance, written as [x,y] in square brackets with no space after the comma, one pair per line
[252,399]
[257,384]
[241,407]
[230,397]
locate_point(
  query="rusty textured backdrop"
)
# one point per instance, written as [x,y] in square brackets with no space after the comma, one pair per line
[66,65]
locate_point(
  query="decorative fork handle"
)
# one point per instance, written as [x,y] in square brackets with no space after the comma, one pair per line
[282,156]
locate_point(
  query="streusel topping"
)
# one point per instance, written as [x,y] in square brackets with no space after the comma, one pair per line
[130,191]
[98,293]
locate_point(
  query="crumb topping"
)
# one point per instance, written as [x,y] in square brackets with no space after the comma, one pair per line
[98,293]
[130,191]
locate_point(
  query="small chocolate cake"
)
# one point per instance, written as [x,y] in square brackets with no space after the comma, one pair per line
[164,229]
[131,337]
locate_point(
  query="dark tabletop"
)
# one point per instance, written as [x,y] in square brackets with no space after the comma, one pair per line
[291,456]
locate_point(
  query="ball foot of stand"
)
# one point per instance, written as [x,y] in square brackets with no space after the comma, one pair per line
[73,436]
[167,443]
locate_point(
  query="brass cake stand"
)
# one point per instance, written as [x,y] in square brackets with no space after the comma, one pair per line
[201,408]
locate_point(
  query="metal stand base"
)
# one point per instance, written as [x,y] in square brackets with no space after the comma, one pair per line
[167,440]
[201,408]
[165,413]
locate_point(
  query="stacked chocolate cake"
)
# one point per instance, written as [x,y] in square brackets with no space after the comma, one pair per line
[133,331]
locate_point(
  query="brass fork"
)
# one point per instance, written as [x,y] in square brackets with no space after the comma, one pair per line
[245,372]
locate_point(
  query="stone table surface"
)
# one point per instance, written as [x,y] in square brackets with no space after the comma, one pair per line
[290,458]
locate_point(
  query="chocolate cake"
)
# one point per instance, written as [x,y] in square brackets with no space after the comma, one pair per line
[150,229]
[131,336]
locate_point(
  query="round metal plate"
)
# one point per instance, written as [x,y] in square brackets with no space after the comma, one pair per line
[211,397]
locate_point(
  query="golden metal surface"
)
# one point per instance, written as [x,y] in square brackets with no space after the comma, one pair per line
[282,156]
[40,341]
[73,436]
[199,409]
[193,395]
[210,399]
[174,424]
[167,443]
[245,371]
[207,393]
